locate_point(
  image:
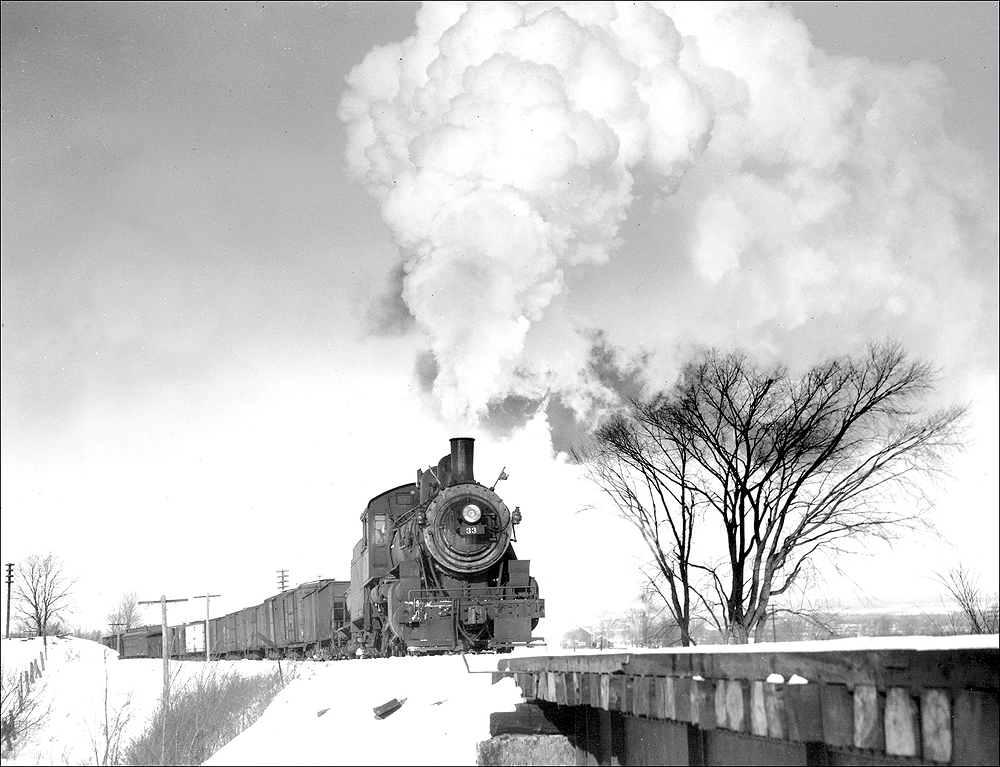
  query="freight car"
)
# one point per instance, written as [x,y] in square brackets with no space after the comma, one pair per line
[435,571]
[308,621]
[146,642]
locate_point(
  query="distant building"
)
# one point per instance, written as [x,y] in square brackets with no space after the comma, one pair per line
[602,642]
[578,638]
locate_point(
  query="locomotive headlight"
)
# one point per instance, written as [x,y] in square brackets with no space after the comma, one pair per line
[471,514]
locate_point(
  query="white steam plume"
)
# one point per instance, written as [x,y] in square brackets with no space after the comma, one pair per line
[831,187]
[501,140]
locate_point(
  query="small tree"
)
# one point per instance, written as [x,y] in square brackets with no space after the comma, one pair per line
[649,622]
[107,737]
[769,471]
[43,593]
[980,609]
[126,614]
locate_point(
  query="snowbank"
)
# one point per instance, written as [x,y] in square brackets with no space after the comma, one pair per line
[85,687]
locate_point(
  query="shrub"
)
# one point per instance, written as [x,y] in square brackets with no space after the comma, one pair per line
[203,715]
[24,711]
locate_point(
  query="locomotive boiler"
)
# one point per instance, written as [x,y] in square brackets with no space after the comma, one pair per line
[435,569]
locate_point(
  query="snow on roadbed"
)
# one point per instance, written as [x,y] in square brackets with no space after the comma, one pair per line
[327,715]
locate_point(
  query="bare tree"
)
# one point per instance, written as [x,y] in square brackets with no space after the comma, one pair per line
[770,471]
[645,471]
[93,635]
[126,614]
[649,622]
[638,626]
[980,609]
[43,593]
[607,623]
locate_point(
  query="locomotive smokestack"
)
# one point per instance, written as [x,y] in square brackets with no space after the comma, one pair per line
[461,460]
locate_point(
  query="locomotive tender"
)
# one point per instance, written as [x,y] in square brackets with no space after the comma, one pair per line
[435,571]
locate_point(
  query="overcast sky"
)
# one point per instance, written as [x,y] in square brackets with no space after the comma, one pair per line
[261,260]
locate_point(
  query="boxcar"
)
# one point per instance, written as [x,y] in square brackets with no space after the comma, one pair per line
[142,642]
[323,617]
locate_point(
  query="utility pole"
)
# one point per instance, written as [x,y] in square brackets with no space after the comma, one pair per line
[166,655]
[283,579]
[208,601]
[10,580]
[116,628]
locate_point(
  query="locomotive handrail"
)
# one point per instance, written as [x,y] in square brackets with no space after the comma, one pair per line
[512,594]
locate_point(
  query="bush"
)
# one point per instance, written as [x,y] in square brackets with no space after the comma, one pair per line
[204,715]
[23,712]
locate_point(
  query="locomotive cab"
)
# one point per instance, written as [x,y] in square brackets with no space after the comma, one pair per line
[372,560]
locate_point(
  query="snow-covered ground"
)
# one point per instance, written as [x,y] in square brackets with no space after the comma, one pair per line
[84,685]
[326,715]
[329,714]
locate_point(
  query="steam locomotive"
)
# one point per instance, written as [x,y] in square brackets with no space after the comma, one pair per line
[434,572]
[435,568]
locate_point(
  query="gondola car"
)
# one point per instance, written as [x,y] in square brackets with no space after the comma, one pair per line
[310,620]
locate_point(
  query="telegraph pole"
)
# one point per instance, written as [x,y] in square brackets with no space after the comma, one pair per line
[166,656]
[283,579]
[208,601]
[116,628]
[10,580]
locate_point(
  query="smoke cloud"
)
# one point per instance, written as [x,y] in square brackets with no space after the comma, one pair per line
[499,140]
[503,141]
